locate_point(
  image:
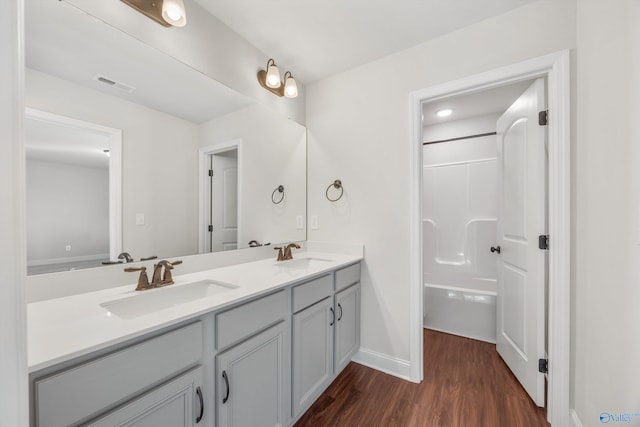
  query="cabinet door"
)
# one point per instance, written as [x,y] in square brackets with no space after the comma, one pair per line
[347,326]
[312,353]
[177,403]
[252,381]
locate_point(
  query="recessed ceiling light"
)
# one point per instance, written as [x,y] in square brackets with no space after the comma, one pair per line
[444,113]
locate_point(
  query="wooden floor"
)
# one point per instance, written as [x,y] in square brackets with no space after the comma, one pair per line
[465,384]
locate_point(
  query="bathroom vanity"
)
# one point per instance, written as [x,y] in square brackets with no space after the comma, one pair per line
[245,345]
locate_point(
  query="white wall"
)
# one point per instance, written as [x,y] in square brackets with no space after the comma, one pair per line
[358,124]
[159,163]
[66,205]
[207,45]
[606,371]
[13,355]
[273,154]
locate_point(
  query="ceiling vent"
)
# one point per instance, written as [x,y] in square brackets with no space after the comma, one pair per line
[113,83]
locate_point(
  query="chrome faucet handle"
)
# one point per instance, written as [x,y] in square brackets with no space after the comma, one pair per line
[143,279]
[280,253]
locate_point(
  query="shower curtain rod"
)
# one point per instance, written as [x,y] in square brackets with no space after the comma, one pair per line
[478,135]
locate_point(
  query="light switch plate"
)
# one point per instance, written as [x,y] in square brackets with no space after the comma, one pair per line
[139,219]
[299,222]
[314,222]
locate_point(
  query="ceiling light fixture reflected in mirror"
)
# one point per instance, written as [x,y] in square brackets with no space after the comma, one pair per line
[273,75]
[165,12]
[270,80]
[446,112]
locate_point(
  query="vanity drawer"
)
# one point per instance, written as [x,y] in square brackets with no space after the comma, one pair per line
[90,388]
[241,322]
[311,292]
[347,276]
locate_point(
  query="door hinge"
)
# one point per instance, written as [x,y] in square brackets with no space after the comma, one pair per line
[210,228]
[210,172]
[543,117]
[543,366]
[543,241]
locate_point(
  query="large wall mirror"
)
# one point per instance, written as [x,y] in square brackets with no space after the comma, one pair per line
[130,150]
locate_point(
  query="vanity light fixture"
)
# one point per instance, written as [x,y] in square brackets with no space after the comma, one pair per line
[270,80]
[446,112]
[165,12]
[290,85]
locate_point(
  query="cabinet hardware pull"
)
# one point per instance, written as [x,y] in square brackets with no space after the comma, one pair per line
[333,316]
[199,393]
[226,382]
[340,316]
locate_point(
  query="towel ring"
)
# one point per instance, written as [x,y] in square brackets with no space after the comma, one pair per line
[280,189]
[337,184]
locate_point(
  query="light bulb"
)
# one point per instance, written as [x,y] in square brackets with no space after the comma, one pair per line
[290,86]
[273,76]
[173,12]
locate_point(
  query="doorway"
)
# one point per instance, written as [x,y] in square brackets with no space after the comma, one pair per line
[73,191]
[219,213]
[484,187]
[555,68]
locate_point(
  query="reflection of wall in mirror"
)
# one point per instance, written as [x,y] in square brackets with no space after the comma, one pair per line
[274,153]
[67,205]
[159,156]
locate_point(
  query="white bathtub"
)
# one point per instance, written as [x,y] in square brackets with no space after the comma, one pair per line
[461,311]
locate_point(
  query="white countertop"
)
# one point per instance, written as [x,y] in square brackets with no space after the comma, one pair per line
[64,328]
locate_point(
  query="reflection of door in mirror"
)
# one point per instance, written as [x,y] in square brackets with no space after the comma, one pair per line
[72,191]
[223,235]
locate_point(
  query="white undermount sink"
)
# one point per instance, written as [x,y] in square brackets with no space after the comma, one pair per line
[304,263]
[145,302]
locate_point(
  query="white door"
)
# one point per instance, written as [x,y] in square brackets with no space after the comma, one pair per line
[224,201]
[520,331]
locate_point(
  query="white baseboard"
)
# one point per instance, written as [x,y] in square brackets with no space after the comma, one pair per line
[390,365]
[574,419]
[81,258]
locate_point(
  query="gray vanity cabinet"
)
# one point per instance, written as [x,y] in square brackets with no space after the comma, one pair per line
[178,403]
[312,353]
[252,377]
[252,381]
[347,326]
[131,381]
